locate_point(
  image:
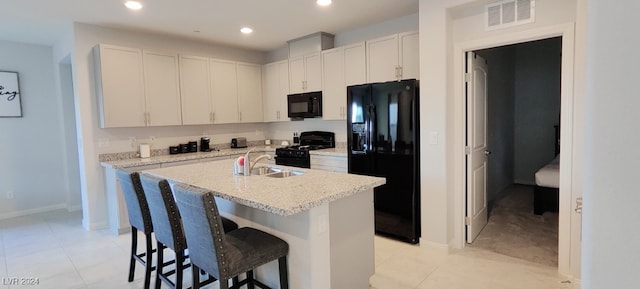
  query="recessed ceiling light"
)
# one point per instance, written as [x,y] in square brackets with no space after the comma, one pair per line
[246,30]
[133,5]
[324,2]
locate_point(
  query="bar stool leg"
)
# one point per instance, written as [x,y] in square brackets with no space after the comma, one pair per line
[180,269]
[284,278]
[250,284]
[134,248]
[148,266]
[159,264]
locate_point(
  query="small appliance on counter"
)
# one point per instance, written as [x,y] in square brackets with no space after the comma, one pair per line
[193,146]
[204,144]
[184,148]
[145,150]
[189,147]
[239,142]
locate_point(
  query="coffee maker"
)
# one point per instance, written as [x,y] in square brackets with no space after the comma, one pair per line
[204,144]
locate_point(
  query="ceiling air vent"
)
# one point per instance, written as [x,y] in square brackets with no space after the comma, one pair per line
[509,13]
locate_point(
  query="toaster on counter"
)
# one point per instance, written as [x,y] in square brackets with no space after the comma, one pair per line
[239,142]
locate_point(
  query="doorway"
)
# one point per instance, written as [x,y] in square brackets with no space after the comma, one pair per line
[568,239]
[522,114]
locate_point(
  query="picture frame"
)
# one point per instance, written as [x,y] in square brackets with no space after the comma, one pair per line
[10,97]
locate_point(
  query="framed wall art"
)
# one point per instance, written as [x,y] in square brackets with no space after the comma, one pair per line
[10,102]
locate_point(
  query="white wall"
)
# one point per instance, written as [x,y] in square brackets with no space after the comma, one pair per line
[537,106]
[32,145]
[89,133]
[611,198]
[444,23]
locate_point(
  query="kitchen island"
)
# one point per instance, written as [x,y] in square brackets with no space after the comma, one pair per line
[326,217]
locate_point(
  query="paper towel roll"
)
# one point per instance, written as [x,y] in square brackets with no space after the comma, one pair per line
[145,151]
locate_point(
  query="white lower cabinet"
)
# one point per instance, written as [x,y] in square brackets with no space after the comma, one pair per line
[336,164]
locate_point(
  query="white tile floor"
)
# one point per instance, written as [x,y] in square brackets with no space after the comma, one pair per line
[54,248]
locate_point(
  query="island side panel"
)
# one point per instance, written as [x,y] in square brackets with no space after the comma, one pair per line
[308,239]
[116,206]
[352,240]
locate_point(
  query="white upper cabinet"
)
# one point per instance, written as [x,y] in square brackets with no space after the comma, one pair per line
[334,84]
[393,57]
[162,89]
[305,73]
[409,55]
[341,67]
[250,92]
[355,64]
[195,90]
[137,88]
[275,89]
[120,86]
[224,90]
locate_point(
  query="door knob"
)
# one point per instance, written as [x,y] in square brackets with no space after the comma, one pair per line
[486,153]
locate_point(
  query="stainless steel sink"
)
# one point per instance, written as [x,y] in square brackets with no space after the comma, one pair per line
[284,174]
[264,170]
[274,172]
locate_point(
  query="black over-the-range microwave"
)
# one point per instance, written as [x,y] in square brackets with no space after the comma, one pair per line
[305,105]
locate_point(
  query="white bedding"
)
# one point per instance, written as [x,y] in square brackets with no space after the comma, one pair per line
[549,175]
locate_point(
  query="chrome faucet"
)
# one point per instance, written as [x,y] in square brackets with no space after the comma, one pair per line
[248,166]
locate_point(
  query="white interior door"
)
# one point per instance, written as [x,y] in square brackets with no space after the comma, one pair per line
[476,147]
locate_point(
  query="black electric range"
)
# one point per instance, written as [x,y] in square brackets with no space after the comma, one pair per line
[298,155]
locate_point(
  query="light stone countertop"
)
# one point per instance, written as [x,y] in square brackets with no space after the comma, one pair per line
[162,159]
[281,196]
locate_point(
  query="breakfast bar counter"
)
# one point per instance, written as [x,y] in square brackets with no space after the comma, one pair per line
[326,217]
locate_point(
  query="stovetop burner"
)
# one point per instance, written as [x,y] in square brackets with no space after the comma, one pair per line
[298,155]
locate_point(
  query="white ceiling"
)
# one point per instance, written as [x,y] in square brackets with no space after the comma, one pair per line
[218,21]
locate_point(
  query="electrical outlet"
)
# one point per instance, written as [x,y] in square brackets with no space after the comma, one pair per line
[132,141]
[9,195]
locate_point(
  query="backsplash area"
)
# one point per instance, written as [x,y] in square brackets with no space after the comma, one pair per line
[123,143]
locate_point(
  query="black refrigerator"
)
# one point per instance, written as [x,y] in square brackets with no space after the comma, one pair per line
[383,141]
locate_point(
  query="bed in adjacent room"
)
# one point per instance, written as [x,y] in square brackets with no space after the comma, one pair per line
[545,197]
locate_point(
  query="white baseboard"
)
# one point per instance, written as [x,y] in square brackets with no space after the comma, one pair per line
[74,208]
[438,247]
[94,226]
[32,211]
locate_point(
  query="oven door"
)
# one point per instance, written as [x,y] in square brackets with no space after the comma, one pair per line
[293,162]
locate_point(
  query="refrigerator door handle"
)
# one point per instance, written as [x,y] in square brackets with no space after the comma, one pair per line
[372,127]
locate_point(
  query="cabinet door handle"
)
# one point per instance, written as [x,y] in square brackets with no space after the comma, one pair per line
[240,115]
[213,117]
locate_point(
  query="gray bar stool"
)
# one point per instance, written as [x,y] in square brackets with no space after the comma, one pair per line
[169,232]
[226,255]
[140,220]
